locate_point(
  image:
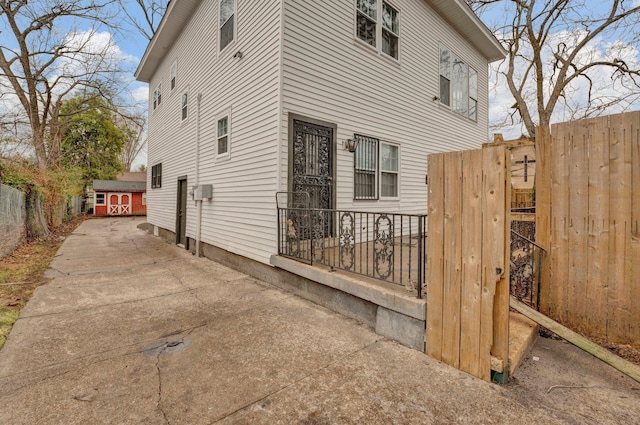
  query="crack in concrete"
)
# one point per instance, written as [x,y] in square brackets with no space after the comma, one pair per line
[159,400]
[190,289]
[289,385]
[69,364]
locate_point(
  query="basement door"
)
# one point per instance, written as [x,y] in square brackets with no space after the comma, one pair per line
[119,204]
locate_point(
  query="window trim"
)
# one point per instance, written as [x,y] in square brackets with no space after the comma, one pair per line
[104,199]
[173,72]
[220,116]
[156,176]
[379,28]
[397,172]
[452,85]
[157,95]
[184,106]
[377,189]
[233,16]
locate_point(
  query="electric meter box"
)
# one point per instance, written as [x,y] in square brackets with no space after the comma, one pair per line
[202,191]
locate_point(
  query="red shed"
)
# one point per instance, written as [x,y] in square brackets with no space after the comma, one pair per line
[116,197]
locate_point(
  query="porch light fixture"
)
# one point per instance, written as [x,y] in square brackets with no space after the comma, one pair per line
[350,145]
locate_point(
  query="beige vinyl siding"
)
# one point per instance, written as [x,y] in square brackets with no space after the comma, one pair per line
[331,76]
[241,216]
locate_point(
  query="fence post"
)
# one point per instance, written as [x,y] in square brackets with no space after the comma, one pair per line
[543,208]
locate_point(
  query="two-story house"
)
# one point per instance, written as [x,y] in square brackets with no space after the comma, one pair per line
[257,97]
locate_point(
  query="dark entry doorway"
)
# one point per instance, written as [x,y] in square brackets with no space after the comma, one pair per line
[311,161]
[181,213]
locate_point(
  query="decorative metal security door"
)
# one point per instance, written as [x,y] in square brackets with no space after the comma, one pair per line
[312,170]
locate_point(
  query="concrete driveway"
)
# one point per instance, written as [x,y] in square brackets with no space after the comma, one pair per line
[136,331]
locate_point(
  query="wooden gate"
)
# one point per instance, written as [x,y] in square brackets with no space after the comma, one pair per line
[467,261]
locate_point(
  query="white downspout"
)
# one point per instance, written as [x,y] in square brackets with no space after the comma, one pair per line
[198,202]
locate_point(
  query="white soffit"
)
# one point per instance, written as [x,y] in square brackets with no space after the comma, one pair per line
[461,17]
[174,20]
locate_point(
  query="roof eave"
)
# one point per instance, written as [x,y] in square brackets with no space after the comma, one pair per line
[174,20]
[460,16]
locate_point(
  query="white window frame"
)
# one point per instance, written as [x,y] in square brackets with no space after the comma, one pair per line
[104,199]
[378,173]
[395,172]
[380,28]
[157,96]
[460,97]
[219,117]
[221,25]
[173,70]
[184,106]
[144,199]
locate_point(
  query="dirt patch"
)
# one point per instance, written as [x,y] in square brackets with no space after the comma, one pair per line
[628,352]
[22,271]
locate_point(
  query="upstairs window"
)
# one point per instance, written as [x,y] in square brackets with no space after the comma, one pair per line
[367,21]
[156,176]
[390,30]
[185,102]
[172,75]
[227,22]
[378,24]
[157,96]
[223,135]
[458,85]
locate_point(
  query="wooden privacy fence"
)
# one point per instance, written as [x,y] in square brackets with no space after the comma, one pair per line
[467,265]
[592,225]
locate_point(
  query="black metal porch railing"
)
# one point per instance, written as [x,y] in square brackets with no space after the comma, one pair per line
[526,264]
[386,246]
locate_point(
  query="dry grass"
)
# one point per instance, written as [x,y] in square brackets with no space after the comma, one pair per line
[22,272]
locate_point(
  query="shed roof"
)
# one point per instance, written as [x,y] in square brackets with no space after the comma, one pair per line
[178,13]
[118,186]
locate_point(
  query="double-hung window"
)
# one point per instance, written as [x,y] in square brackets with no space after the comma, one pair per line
[157,96]
[172,75]
[226,23]
[376,169]
[156,176]
[223,135]
[458,85]
[378,25]
[100,199]
[185,103]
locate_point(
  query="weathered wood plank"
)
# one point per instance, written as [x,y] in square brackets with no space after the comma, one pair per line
[493,211]
[543,210]
[452,259]
[577,206]
[471,262]
[435,255]
[598,224]
[557,307]
[634,331]
[619,229]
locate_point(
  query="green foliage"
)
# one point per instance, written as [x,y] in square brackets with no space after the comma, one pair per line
[92,141]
